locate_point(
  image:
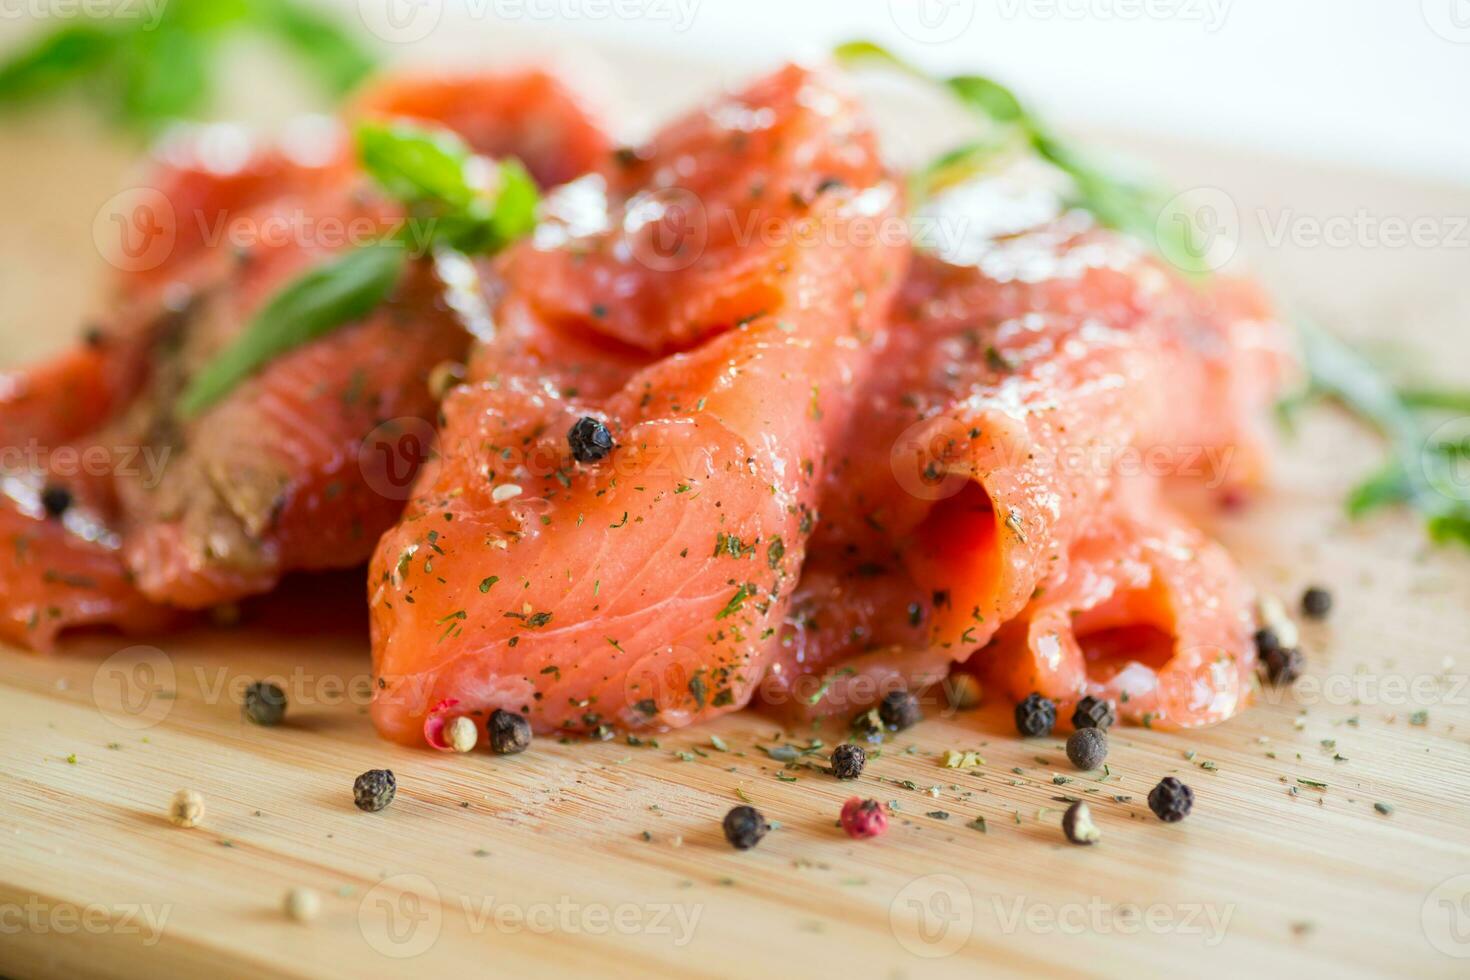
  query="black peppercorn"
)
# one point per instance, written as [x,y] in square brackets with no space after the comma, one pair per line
[899,710]
[590,440]
[509,732]
[1282,664]
[848,761]
[1077,823]
[1093,712]
[1266,640]
[1087,747]
[374,790]
[1171,800]
[1316,602]
[264,704]
[1036,715]
[55,500]
[744,827]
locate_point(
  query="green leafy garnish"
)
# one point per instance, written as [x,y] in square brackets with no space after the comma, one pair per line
[150,67]
[1423,463]
[455,201]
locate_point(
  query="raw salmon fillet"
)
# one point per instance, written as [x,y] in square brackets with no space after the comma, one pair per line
[646,588]
[1029,373]
[284,473]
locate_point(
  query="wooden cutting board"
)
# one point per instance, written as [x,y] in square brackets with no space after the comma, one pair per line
[608,858]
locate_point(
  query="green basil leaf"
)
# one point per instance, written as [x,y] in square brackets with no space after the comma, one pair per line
[165,77]
[335,56]
[417,164]
[343,289]
[63,56]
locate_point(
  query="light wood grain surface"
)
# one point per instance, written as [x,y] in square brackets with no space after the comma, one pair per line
[606,858]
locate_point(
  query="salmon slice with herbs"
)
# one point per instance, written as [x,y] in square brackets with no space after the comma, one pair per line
[1032,365]
[610,536]
[287,471]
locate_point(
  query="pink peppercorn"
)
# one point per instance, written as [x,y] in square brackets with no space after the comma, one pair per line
[863,818]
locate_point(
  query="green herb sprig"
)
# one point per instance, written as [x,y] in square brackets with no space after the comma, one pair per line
[154,66]
[454,201]
[1334,370]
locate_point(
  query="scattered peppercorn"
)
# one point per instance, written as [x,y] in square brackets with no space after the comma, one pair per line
[848,761]
[186,809]
[509,732]
[1316,602]
[374,790]
[964,691]
[301,904]
[265,704]
[55,500]
[900,710]
[863,818]
[1087,747]
[744,827]
[1266,640]
[1171,800]
[590,440]
[1036,715]
[461,734]
[1077,822]
[1094,712]
[1283,664]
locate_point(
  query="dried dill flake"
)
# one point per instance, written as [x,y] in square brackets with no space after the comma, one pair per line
[848,761]
[509,732]
[1036,716]
[1171,800]
[1087,747]
[374,790]
[1094,712]
[744,827]
[264,704]
[589,440]
[900,710]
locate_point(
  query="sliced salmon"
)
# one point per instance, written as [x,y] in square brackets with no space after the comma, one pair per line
[646,588]
[302,466]
[1028,374]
